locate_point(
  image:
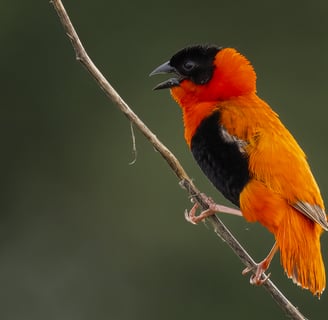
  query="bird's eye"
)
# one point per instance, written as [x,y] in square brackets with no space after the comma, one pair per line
[189,65]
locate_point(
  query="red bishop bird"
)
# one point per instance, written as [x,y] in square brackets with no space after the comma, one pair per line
[247,153]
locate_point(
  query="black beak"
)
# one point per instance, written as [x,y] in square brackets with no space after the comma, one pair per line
[165,68]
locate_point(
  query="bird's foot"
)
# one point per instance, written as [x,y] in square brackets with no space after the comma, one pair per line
[213,208]
[258,278]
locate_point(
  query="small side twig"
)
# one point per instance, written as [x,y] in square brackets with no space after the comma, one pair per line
[220,229]
[134,145]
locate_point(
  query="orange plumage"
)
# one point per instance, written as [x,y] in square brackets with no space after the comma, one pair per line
[277,189]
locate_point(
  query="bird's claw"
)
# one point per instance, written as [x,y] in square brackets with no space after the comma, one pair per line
[212,209]
[258,282]
[256,278]
[189,217]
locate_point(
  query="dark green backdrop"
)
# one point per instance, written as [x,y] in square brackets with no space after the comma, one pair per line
[85,235]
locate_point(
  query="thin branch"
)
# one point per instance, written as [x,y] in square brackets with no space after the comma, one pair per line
[219,228]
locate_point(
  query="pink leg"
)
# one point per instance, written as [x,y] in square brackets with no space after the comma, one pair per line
[261,268]
[212,209]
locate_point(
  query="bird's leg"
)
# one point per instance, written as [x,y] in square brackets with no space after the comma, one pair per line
[212,209]
[261,268]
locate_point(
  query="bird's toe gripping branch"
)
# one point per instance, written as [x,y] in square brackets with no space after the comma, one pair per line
[258,278]
[213,208]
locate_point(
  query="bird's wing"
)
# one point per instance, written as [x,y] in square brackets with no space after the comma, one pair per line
[281,165]
[313,212]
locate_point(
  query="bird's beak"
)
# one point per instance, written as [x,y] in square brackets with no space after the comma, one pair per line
[166,68]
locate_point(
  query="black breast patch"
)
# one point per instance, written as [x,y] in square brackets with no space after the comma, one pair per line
[221,157]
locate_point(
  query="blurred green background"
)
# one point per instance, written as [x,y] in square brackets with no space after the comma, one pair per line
[85,235]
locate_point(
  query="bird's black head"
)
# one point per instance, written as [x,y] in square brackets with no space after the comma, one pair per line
[194,63]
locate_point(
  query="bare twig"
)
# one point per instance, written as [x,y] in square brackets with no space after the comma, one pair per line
[134,145]
[219,228]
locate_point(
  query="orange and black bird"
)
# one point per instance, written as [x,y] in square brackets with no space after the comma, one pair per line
[247,153]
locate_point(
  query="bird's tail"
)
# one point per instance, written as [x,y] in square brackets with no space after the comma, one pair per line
[298,239]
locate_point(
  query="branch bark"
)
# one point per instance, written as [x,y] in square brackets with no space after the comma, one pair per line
[185,181]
